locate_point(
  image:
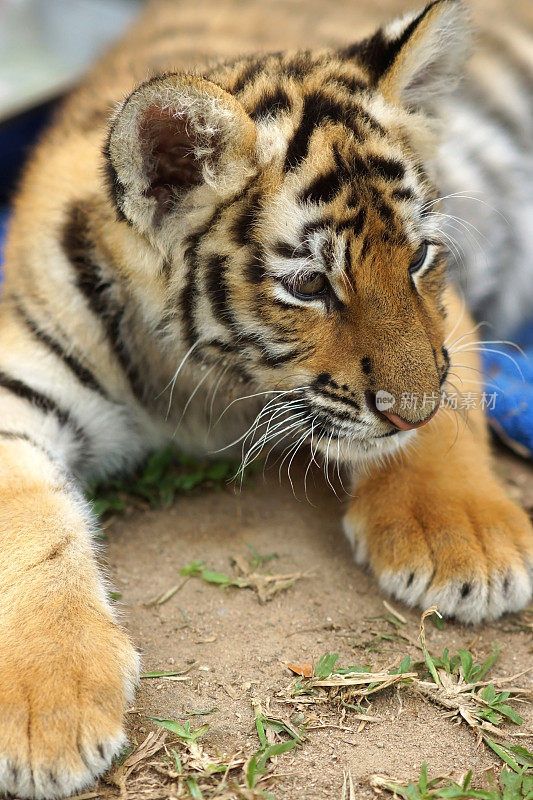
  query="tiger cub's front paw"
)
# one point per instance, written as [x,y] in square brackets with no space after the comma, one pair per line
[62,697]
[467,549]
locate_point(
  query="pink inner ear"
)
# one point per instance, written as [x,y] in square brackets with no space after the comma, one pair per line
[167,146]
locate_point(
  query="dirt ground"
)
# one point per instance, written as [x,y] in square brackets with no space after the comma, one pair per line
[237,647]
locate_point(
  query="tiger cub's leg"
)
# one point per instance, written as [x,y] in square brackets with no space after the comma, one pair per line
[434,524]
[66,667]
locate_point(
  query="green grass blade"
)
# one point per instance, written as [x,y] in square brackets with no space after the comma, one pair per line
[503,752]
[486,666]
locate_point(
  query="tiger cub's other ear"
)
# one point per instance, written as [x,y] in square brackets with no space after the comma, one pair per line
[172,134]
[416,59]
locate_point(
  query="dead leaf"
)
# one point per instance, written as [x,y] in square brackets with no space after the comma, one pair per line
[305,670]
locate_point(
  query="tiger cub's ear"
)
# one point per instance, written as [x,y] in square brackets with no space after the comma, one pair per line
[172,134]
[416,59]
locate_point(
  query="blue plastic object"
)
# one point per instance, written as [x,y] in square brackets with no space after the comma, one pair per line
[509,379]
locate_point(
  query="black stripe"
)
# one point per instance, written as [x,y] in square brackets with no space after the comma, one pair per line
[358,167]
[351,83]
[377,52]
[385,212]
[438,262]
[348,262]
[187,299]
[277,301]
[372,123]
[423,176]
[299,144]
[286,250]
[328,252]
[218,344]
[323,189]
[320,225]
[255,268]
[84,375]
[388,168]
[188,293]
[220,300]
[317,108]
[242,227]
[217,288]
[300,65]
[214,275]
[364,248]
[257,344]
[331,396]
[277,361]
[275,101]
[382,209]
[283,329]
[220,305]
[79,249]
[333,303]
[115,189]
[403,194]
[23,437]
[249,72]
[333,419]
[354,196]
[42,402]
[354,224]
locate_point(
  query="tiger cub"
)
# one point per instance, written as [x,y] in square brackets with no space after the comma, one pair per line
[259,237]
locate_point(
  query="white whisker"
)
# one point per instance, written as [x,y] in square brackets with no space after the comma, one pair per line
[480,349]
[172,382]
[192,395]
[459,320]
[258,394]
[468,333]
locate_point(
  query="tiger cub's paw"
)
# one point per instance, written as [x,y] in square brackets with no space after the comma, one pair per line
[469,552]
[61,708]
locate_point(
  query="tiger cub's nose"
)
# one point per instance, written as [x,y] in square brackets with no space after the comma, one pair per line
[399,422]
[403,424]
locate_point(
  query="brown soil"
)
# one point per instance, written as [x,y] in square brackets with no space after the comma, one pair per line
[239,646]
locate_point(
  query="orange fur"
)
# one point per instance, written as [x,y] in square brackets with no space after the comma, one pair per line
[438,513]
[156,244]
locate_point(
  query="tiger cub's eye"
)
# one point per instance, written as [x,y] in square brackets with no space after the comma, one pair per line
[307,287]
[419,258]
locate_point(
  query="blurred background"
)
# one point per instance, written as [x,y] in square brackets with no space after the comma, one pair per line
[45,46]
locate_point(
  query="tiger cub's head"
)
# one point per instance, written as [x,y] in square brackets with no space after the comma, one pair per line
[291,198]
